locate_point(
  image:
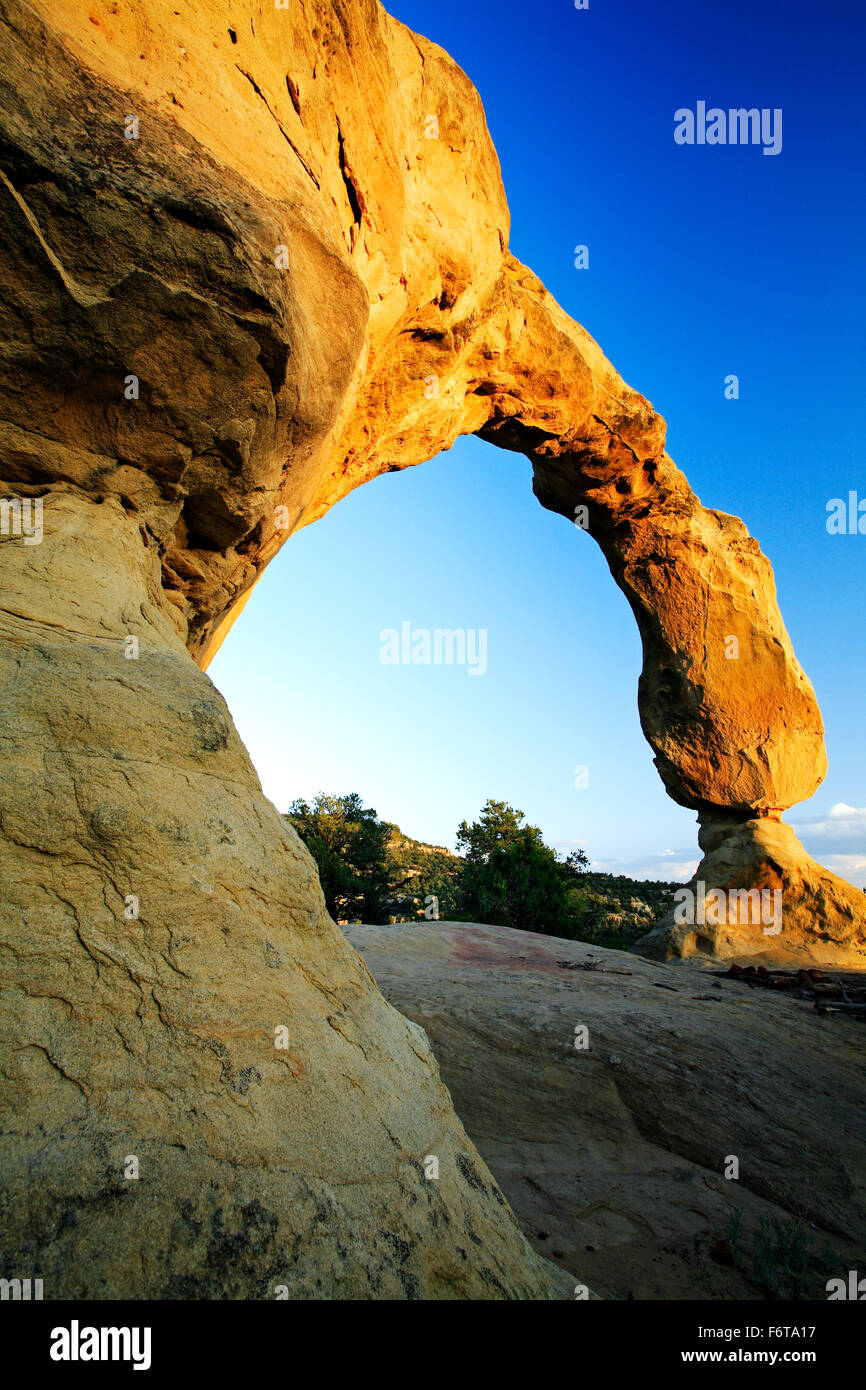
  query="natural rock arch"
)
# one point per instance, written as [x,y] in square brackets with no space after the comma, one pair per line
[179,404]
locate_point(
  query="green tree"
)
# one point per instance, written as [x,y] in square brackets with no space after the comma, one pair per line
[577,862]
[348,843]
[510,876]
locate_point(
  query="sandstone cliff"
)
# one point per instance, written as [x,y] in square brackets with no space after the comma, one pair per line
[254,258]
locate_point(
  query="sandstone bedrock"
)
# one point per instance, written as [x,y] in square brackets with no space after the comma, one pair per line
[239,247]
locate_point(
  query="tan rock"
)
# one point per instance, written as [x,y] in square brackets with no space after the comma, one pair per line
[203,1093]
[614,1157]
[775,905]
[374,170]
[296,277]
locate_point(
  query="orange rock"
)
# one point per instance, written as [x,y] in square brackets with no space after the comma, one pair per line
[247,270]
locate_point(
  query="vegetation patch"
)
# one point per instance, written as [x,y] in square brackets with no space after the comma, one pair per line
[502,873]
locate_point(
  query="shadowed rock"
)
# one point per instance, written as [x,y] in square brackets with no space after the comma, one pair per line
[616,1154]
[203,1093]
[296,276]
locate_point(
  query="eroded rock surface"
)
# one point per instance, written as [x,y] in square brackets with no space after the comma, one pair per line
[806,916]
[614,1157]
[294,277]
[175,994]
[399,321]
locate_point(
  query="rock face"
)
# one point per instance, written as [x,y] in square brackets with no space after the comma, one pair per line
[614,1156]
[806,915]
[251,263]
[204,1095]
[327,297]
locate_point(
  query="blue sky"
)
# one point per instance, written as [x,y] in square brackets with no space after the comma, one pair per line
[703,261]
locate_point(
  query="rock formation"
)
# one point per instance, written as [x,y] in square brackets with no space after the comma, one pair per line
[807,916]
[252,262]
[614,1155]
[203,1093]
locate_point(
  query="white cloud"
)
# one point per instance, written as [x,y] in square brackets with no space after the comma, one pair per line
[837,839]
[850,866]
[840,821]
[678,868]
[840,832]
[842,812]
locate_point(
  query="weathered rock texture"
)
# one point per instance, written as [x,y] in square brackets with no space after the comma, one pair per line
[399,321]
[154,1037]
[614,1157]
[295,277]
[820,916]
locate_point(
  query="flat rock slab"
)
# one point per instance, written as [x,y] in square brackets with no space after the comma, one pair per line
[613,1156]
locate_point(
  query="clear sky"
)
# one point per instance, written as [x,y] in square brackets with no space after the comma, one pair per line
[704,261]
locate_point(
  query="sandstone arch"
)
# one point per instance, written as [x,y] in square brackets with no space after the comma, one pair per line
[266,395]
